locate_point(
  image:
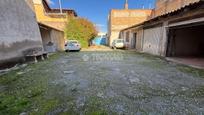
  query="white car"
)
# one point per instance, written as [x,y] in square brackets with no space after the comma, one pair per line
[118,43]
[72,45]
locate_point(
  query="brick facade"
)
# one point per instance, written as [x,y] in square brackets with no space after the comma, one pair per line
[120,19]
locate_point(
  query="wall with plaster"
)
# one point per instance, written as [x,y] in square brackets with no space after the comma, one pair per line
[19,30]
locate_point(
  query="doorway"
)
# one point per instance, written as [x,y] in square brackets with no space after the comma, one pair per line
[186,45]
[134,41]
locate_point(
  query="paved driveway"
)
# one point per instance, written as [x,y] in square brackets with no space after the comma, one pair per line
[124,83]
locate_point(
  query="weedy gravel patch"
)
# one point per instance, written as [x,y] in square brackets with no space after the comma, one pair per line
[22,87]
[130,83]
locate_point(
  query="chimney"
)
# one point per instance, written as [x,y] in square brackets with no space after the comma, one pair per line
[126,4]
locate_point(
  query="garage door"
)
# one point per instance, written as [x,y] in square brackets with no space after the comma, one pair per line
[152,40]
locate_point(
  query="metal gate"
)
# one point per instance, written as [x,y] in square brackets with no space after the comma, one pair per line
[152,38]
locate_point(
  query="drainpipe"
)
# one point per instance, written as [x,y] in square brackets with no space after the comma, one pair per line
[60,5]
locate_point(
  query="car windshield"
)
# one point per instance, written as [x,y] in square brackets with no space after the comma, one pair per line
[119,41]
[73,42]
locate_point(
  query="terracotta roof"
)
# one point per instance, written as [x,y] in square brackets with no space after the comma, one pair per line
[48,9]
[174,12]
[186,3]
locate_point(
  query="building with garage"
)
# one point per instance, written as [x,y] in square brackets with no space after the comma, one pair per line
[52,24]
[120,19]
[174,30]
[19,30]
[133,37]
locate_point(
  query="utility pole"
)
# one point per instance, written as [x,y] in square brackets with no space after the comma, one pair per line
[126,4]
[60,5]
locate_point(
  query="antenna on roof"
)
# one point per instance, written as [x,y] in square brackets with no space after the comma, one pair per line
[126,4]
[60,5]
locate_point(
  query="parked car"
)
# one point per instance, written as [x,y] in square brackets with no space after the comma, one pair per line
[72,45]
[118,43]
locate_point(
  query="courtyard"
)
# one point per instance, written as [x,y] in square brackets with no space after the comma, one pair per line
[102,83]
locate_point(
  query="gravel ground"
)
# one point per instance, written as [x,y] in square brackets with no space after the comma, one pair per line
[122,83]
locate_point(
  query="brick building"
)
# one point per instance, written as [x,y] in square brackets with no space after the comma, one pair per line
[122,18]
[173,31]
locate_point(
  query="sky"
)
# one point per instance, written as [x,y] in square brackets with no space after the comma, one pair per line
[97,10]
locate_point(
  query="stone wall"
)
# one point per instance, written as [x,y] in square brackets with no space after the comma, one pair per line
[19,30]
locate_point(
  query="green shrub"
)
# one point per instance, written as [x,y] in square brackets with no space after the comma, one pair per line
[80,29]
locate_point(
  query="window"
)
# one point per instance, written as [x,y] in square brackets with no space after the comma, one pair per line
[127,36]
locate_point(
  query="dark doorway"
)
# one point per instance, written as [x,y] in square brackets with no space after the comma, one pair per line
[187,41]
[134,41]
[186,44]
